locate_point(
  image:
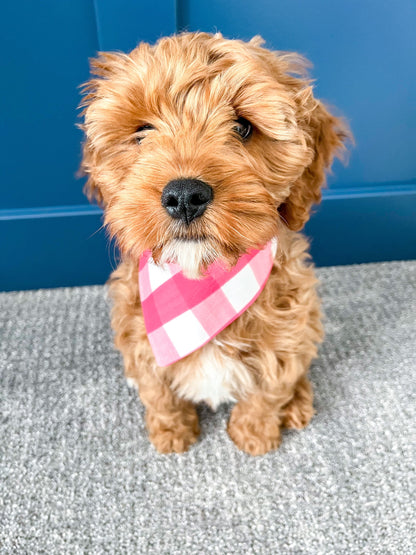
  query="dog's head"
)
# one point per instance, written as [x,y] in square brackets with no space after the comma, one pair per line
[201,148]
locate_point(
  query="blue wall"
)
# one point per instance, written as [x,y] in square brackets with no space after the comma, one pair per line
[363,53]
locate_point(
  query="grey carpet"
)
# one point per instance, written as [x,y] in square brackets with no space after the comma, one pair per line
[79,476]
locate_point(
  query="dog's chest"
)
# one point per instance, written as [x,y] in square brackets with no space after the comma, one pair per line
[215,378]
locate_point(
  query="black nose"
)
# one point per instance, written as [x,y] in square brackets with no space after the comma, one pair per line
[186,199]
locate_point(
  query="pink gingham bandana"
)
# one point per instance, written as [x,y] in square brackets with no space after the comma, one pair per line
[181,315]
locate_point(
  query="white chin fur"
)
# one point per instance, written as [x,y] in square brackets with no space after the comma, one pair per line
[190,255]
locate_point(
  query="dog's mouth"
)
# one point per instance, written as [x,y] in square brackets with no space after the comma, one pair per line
[193,254]
[197,238]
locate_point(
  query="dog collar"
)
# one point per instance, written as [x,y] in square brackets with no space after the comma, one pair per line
[181,315]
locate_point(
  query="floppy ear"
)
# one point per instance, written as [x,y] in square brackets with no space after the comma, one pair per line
[91,187]
[102,68]
[327,135]
[323,134]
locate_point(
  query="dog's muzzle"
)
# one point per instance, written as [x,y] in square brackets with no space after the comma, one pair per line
[186,199]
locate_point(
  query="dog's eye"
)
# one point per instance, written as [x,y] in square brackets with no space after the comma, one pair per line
[243,128]
[142,131]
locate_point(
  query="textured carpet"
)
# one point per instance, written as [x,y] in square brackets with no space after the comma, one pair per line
[79,476]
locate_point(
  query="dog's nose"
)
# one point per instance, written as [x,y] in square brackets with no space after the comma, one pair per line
[186,199]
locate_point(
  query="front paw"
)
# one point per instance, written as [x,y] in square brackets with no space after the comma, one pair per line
[173,437]
[169,441]
[254,435]
[297,415]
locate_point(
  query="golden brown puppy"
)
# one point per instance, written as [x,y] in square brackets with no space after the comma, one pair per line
[242,123]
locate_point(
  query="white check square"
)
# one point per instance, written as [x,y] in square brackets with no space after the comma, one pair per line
[158,274]
[239,289]
[185,331]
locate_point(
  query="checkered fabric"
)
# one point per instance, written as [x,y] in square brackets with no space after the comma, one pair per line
[181,315]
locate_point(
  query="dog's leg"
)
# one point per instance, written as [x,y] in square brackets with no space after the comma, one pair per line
[172,422]
[256,421]
[281,360]
[254,424]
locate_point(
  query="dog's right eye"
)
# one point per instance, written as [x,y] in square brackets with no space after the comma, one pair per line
[142,131]
[243,128]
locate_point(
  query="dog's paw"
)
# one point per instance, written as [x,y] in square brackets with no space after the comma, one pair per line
[299,411]
[172,441]
[297,415]
[255,438]
[173,432]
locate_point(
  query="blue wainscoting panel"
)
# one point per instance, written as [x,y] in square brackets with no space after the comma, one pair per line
[58,247]
[45,48]
[368,225]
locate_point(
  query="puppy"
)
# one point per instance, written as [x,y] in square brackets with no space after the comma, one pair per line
[207,155]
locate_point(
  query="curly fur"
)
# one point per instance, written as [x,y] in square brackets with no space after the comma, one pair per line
[191,88]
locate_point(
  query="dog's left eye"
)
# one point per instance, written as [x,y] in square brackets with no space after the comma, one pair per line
[243,128]
[142,131]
